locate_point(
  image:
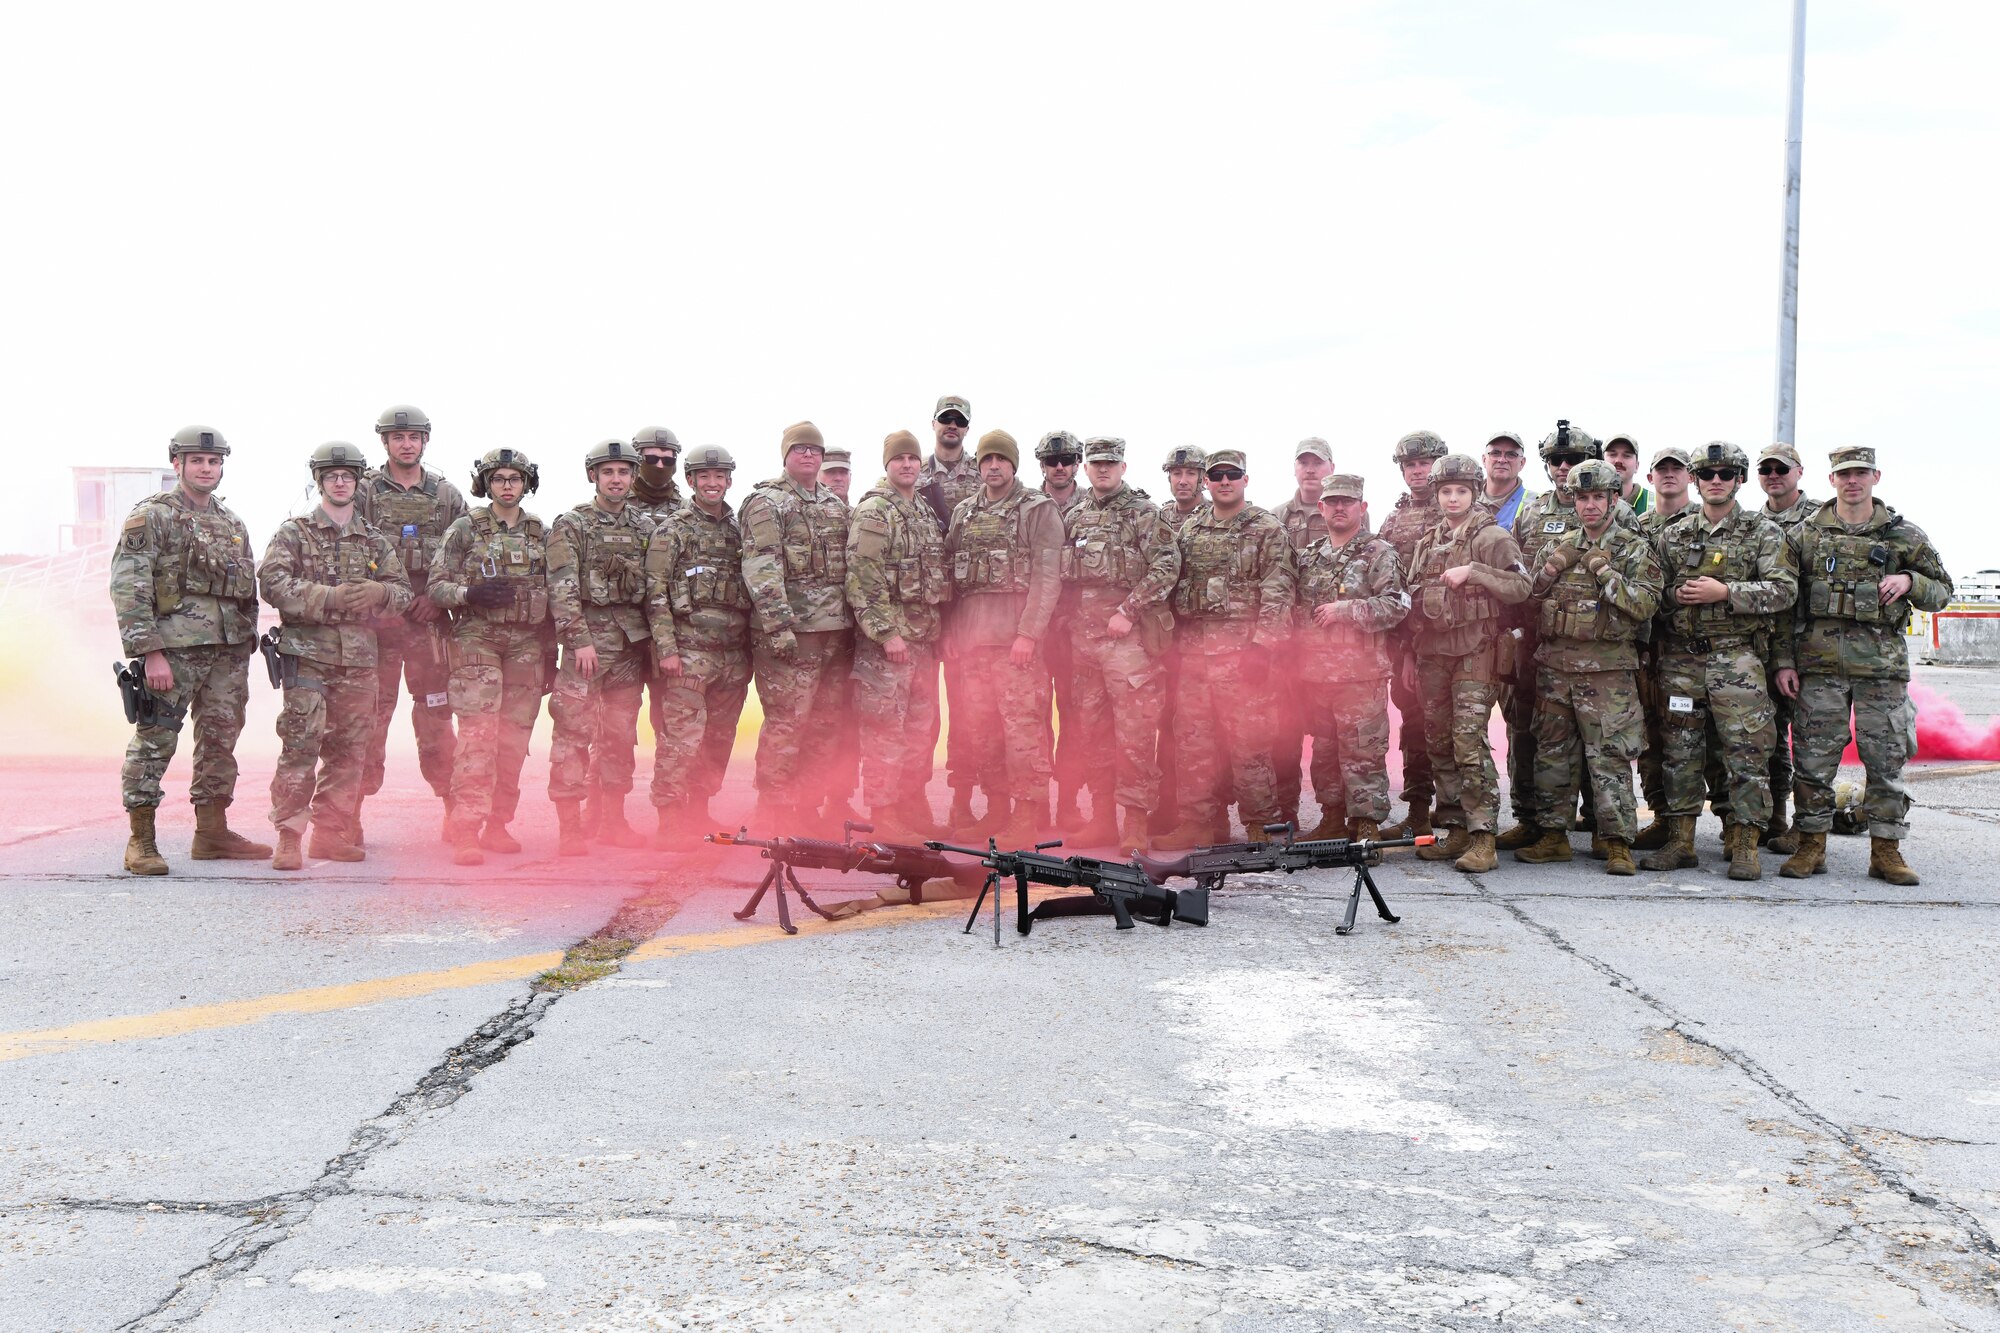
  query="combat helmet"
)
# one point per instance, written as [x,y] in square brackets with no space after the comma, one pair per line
[1720,453]
[1567,439]
[336,454]
[403,417]
[1184,455]
[1420,444]
[197,440]
[707,457]
[656,437]
[1594,474]
[495,459]
[1458,470]
[609,451]
[1058,442]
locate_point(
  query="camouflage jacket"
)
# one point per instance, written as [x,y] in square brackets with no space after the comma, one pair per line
[654,503]
[1547,519]
[1004,567]
[1415,513]
[1746,551]
[1596,621]
[1301,521]
[478,549]
[597,577]
[1787,519]
[307,559]
[1120,557]
[1237,583]
[1178,518]
[1839,626]
[897,576]
[795,557]
[945,486]
[182,577]
[1364,579]
[1457,622]
[412,518]
[696,599]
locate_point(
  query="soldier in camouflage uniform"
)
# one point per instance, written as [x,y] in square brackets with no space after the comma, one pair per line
[1727,573]
[1350,596]
[1596,591]
[1416,513]
[950,476]
[836,473]
[1312,460]
[699,609]
[1186,496]
[795,565]
[332,578]
[1779,472]
[411,506]
[1004,544]
[1671,478]
[491,572]
[1233,604]
[897,583]
[1120,561]
[597,599]
[184,589]
[1865,567]
[653,497]
[1463,571]
[1060,454]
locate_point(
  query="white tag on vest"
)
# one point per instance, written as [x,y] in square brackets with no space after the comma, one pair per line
[436,700]
[1679,703]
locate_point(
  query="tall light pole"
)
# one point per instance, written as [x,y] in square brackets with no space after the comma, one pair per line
[1788,287]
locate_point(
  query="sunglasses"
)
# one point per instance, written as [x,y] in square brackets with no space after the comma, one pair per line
[1226,474]
[1715,473]
[952,419]
[1061,460]
[1565,460]
[1773,469]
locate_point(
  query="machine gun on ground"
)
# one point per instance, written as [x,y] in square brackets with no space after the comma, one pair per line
[1118,888]
[1209,866]
[910,866]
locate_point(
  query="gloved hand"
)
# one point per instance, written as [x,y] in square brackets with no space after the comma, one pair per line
[784,645]
[1595,562]
[489,595]
[1256,665]
[1561,556]
[374,596]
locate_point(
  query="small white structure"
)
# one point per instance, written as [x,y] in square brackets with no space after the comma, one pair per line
[1983,586]
[104,495]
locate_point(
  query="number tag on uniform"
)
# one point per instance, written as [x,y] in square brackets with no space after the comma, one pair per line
[1554,525]
[1587,608]
[436,700]
[1679,703]
[517,557]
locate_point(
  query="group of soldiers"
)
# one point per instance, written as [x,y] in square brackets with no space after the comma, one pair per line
[1188,650]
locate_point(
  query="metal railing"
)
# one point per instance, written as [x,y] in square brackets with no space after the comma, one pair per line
[62,580]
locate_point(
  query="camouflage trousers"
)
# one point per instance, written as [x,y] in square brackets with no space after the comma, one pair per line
[802,697]
[1587,721]
[496,690]
[1004,727]
[404,652]
[1418,784]
[596,724]
[1120,692]
[1288,743]
[895,709]
[211,688]
[1652,768]
[323,735]
[1349,724]
[1223,728]
[1067,755]
[694,723]
[1784,720]
[1885,734]
[845,768]
[1458,695]
[1715,704]
[1165,754]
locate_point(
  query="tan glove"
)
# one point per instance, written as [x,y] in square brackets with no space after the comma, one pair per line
[1595,562]
[1561,557]
[347,598]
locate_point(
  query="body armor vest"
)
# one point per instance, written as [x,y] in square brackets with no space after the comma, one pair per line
[1575,608]
[1450,608]
[814,543]
[327,557]
[206,555]
[1844,572]
[1103,547]
[611,567]
[993,554]
[705,587]
[1545,526]
[1221,571]
[414,521]
[914,564]
[1725,554]
[517,557]
[1342,576]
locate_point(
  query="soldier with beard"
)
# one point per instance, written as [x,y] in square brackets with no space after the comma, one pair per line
[1059,454]
[1299,516]
[1415,514]
[948,478]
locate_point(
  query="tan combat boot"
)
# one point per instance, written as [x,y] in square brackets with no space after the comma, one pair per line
[287,857]
[1677,852]
[214,840]
[961,818]
[1415,824]
[142,854]
[693,812]
[663,828]
[914,813]
[613,831]
[1332,824]
[327,844]
[1652,837]
[1552,847]
[1026,826]
[1450,849]
[1479,855]
[1742,844]
[590,813]
[1523,834]
[1599,847]
[1885,862]
[465,845]
[444,825]
[1780,835]
[570,839]
[1189,833]
[354,831]
[1069,814]
[495,838]
[1364,830]
[1618,858]
[1809,859]
[1133,838]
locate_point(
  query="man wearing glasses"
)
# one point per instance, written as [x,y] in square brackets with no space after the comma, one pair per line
[948,477]
[1728,574]
[1671,478]
[1312,460]
[1505,492]
[1779,472]
[1059,453]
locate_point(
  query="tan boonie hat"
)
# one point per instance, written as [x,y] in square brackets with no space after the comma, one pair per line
[902,442]
[1851,455]
[1185,455]
[948,403]
[1784,453]
[1673,453]
[1104,449]
[801,432]
[1225,458]
[1315,446]
[998,442]
[1341,486]
[837,458]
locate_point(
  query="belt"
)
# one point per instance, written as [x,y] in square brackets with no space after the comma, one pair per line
[1707,644]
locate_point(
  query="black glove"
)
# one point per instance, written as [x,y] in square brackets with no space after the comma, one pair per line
[1256,665]
[489,595]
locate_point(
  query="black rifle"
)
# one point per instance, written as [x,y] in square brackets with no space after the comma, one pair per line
[1209,866]
[1120,888]
[142,707]
[911,866]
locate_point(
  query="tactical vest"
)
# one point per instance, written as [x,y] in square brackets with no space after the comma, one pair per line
[1726,554]
[1451,608]
[1221,571]
[611,567]
[815,548]
[205,555]
[914,565]
[327,557]
[1845,572]
[993,553]
[1544,527]
[414,521]
[1575,608]
[1406,525]
[1341,577]
[1104,546]
[517,557]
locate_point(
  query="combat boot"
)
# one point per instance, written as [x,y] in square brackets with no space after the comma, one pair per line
[1599,847]
[465,845]
[838,810]
[1618,858]
[1743,861]
[570,840]
[590,814]
[886,825]
[327,844]
[214,840]
[1780,835]
[1809,859]
[1523,834]
[1415,824]
[494,837]
[287,857]
[1479,855]
[1069,815]
[1254,831]
[1101,830]
[961,818]
[914,813]
[1453,847]
[1135,836]
[663,828]
[1652,837]
[1885,862]
[354,833]
[1677,852]
[1025,826]
[1332,824]
[1364,830]
[1189,833]
[444,825]
[1551,847]
[613,830]
[142,854]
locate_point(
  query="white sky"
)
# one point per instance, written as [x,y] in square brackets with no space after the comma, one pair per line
[1233,226]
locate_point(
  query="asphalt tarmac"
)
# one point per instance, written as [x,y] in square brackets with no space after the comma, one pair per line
[235,1099]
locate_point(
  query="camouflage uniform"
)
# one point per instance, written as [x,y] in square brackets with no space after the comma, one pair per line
[1784,712]
[699,610]
[897,582]
[1652,762]
[1850,654]
[1119,557]
[1067,761]
[597,596]
[1303,526]
[944,486]
[1415,514]
[1167,756]
[183,582]
[413,519]
[498,657]
[1344,669]
[795,567]
[330,708]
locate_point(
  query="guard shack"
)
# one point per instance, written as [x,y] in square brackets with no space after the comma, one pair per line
[104,495]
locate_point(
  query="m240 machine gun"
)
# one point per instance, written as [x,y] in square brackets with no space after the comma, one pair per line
[909,865]
[1209,866]
[1117,888]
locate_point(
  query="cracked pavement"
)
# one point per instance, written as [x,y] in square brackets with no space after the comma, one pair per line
[1545,1098]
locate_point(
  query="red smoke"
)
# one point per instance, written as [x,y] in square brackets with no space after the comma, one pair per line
[1942,731]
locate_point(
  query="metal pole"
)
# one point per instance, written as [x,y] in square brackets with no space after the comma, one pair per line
[1788,286]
